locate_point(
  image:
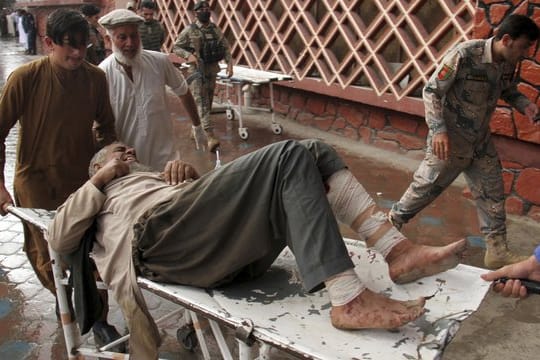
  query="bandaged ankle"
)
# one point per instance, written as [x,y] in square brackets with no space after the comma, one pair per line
[386,243]
[347,196]
[344,287]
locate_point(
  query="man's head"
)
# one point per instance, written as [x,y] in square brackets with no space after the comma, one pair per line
[202,11]
[515,35]
[91,13]
[122,28]
[147,10]
[67,38]
[116,150]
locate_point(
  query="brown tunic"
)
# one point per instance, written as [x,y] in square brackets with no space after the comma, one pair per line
[56,110]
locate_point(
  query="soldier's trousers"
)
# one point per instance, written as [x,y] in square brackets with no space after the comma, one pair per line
[483,175]
[202,84]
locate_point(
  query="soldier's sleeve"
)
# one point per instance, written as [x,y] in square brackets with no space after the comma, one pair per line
[183,46]
[510,93]
[436,88]
[225,44]
[103,129]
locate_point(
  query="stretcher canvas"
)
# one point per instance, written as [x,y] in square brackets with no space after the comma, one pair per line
[285,316]
[253,76]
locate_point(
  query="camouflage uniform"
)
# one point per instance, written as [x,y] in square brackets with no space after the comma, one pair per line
[459,99]
[95,53]
[152,35]
[202,81]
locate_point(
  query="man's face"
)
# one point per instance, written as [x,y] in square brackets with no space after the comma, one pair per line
[147,14]
[515,49]
[121,152]
[126,154]
[93,19]
[68,55]
[126,39]
[203,14]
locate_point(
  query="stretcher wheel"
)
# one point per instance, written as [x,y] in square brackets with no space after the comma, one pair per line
[277,129]
[187,337]
[229,114]
[243,133]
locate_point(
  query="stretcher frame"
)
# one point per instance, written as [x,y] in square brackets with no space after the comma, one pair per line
[250,330]
[242,77]
[181,295]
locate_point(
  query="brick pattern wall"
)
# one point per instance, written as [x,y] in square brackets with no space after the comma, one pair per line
[516,138]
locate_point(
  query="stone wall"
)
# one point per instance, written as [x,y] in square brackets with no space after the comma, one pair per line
[517,140]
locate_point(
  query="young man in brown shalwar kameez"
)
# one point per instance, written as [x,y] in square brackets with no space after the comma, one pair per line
[62,105]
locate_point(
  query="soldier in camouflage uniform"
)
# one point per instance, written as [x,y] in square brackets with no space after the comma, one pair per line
[96,51]
[151,31]
[203,45]
[459,99]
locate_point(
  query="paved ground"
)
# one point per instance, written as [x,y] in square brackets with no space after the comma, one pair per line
[501,329]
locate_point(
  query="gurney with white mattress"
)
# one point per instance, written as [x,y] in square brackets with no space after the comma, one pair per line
[242,80]
[275,312]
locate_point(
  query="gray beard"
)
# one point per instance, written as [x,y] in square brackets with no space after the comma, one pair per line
[124,60]
[138,167]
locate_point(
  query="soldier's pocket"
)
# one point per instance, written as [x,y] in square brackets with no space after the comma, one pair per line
[476,92]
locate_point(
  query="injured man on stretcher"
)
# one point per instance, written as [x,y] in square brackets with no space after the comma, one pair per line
[231,223]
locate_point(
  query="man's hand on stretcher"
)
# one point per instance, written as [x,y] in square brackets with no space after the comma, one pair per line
[178,171]
[175,172]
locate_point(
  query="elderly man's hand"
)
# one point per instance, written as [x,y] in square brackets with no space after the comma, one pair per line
[113,169]
[177,171]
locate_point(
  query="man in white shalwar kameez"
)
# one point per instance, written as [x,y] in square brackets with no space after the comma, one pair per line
[137,87]
[23,37]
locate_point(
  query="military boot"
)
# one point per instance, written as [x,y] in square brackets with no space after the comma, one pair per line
[498,254]
[213,142]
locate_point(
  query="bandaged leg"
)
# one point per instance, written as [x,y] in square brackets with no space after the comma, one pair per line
[407,261]
[356,307]
[344,287]
[354,207]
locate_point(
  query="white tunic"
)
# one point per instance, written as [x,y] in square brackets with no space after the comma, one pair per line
[140,106]
[23,38]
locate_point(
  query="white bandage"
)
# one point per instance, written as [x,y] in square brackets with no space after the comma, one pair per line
[387,242]
[344,287]
[371,224]
[347,197]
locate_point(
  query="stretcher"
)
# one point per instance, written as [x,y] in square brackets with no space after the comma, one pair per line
[274,312]
[244,79]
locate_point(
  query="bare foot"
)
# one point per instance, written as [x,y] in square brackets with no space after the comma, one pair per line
[373,311]
[408,261]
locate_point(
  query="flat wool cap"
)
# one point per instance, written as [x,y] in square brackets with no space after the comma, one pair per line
[120,17]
